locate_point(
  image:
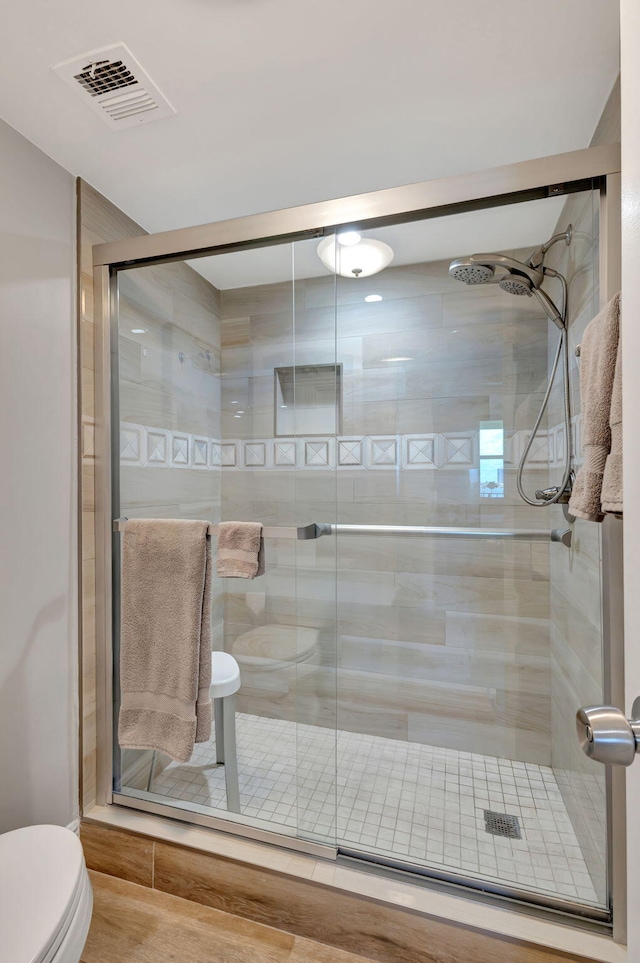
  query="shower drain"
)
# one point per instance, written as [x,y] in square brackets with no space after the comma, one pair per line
[502,824]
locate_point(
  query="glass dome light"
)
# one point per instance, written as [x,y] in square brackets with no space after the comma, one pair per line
[355,261]
[349,238]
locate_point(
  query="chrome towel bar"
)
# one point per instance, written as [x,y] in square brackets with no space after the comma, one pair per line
[418,531]
[317,530]
[308,531]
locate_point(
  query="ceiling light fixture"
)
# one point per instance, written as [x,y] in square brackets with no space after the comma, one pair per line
[359,260]
[396,359]
[138,330]
[370,298]
[349,238]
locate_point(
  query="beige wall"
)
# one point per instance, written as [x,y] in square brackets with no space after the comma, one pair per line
[436,642]
[38,572]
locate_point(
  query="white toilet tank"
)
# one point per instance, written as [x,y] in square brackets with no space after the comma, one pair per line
[45,896]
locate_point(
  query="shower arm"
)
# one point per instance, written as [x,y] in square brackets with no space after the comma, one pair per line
[537,257]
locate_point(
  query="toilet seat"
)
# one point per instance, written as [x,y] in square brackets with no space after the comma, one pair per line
[45,895]
[271,647]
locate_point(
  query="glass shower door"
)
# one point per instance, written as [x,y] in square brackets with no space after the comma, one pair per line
[461,660]
[212,367]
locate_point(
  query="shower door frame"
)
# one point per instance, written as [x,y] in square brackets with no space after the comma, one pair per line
[596,168]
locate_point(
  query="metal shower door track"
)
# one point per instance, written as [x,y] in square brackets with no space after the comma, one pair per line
[527,180]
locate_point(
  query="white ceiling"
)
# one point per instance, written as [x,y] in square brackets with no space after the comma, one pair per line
[285,102]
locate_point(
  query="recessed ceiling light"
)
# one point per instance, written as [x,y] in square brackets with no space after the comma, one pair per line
[349,238]
[397,359]
[240,411]
[237,416]
[235,402]
[138,330]
[284,406]
[373,297]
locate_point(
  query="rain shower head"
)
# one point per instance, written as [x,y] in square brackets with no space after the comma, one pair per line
[465,270]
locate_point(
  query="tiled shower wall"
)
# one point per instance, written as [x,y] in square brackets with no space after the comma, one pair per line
[440,642]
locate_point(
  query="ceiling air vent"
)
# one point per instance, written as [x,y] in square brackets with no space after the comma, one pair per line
[114,85]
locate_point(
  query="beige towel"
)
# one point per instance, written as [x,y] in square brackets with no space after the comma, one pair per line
[240,550]
[612,480]
[165,641]
[598,354]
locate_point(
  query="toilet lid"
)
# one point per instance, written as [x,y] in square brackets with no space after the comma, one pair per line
[277,644]
[41,871]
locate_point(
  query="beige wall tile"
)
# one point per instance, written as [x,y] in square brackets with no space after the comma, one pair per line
[502,633]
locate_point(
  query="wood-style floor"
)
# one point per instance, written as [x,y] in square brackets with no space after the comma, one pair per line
[134,924]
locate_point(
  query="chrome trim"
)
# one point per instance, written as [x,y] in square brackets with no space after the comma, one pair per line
[480,889]
[419,531]
[612,535]
[104,298]
[429,198]
[138,800]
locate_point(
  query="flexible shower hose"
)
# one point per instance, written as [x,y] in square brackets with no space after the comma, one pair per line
[562,351]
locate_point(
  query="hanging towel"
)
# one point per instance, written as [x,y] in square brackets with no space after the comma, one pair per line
[598,354]
[165,642]
[612,480]
[240,550]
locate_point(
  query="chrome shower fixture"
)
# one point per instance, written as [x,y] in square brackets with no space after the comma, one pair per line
[466,270]
[537,257]
[524,279]
[481,268]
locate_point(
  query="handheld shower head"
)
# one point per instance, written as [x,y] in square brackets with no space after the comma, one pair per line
[516,284]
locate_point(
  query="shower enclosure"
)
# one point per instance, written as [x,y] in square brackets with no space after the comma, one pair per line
[412,660]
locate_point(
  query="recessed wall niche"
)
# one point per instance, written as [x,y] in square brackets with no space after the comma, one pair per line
[308,400]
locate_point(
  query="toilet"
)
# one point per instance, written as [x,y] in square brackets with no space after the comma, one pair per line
[45,896]
[272,647]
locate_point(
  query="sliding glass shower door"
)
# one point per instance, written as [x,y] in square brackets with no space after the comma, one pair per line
[464,652]
[412,658]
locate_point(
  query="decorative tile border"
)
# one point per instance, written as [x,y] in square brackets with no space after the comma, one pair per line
[558,443]
[144,447]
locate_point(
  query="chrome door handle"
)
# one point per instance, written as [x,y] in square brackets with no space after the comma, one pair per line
[606,735]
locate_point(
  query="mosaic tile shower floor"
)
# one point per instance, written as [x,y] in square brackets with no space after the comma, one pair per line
[408,801]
